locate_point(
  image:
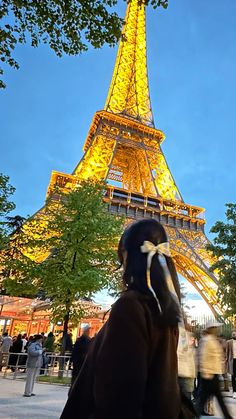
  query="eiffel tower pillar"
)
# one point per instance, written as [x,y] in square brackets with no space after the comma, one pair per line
[123,147]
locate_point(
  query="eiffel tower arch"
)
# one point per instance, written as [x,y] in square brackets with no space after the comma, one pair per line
[123,147]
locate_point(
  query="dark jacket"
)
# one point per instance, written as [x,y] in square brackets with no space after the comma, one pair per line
[49,344]
[79,352]
[17,346]
[131,368]
[69,343]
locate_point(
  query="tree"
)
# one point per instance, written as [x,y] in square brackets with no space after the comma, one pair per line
[15,224]
[224,251]
[68,252]
[67,26]
[13,262]
[6,206]
[13,229]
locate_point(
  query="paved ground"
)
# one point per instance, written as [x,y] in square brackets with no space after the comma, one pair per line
[48,403]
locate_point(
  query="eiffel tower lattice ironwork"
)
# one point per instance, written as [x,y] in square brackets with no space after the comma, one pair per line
[124,148]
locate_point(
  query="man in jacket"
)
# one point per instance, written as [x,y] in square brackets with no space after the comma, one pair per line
[211,359]
[6,343]
[231,361]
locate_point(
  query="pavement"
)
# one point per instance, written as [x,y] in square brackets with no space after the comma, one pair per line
[48,402]
[231,403]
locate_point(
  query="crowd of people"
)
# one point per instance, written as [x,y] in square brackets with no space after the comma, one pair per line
[35,352]
[205,367]
[145,362]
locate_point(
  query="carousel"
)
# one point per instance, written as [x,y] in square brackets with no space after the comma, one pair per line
[33,316]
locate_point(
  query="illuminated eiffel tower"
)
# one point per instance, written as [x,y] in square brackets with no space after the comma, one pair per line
[123,147]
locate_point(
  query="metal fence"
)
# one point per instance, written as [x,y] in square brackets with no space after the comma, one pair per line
[56,369]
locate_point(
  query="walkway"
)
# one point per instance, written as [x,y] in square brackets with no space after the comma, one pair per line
[48,403]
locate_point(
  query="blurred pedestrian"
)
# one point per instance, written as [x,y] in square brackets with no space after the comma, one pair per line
[80,351]
[131,367]
[16,349]
[24,341]
[186,361]
[49,343]
[211,358]
[23,358]
[231,361]
[6,343]
[34,362]
[28,342]
[69,342]
[223,343]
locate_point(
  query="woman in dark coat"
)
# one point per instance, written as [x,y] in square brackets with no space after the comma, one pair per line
[16,348]
[131,368]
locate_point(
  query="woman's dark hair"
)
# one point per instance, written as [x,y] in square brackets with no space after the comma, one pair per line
[37,337]
[19,337]
[50,334]
[135,267]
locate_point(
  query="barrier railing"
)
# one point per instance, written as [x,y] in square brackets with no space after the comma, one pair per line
[55,368]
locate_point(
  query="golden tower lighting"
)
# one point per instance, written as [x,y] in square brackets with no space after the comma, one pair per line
[123,147]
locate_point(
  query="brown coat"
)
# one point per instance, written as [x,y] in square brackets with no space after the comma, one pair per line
[229,356]
[131,368]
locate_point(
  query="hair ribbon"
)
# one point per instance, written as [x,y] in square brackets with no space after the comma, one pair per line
[162,249]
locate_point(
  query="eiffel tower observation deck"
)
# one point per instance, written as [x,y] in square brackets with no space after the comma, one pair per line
[123,147]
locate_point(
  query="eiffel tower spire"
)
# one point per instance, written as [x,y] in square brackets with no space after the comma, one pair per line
[122,145]
[129,91]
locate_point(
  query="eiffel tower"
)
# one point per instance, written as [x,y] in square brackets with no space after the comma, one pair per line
[123,147]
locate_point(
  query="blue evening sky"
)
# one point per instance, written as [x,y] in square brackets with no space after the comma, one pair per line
[48,105]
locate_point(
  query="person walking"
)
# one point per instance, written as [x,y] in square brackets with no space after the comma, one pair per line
[131,367]
[231,361]
[33,364]
[211,360]
[79,352]
[186,361]
[6,343]
[223,343]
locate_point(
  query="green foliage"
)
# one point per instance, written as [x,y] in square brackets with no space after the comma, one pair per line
[15,224]
[14,264]
[76,240]
[224,249]
[157,3]
[6,206]
[68,27]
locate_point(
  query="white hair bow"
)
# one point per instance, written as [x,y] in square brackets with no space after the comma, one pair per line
[162,249]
